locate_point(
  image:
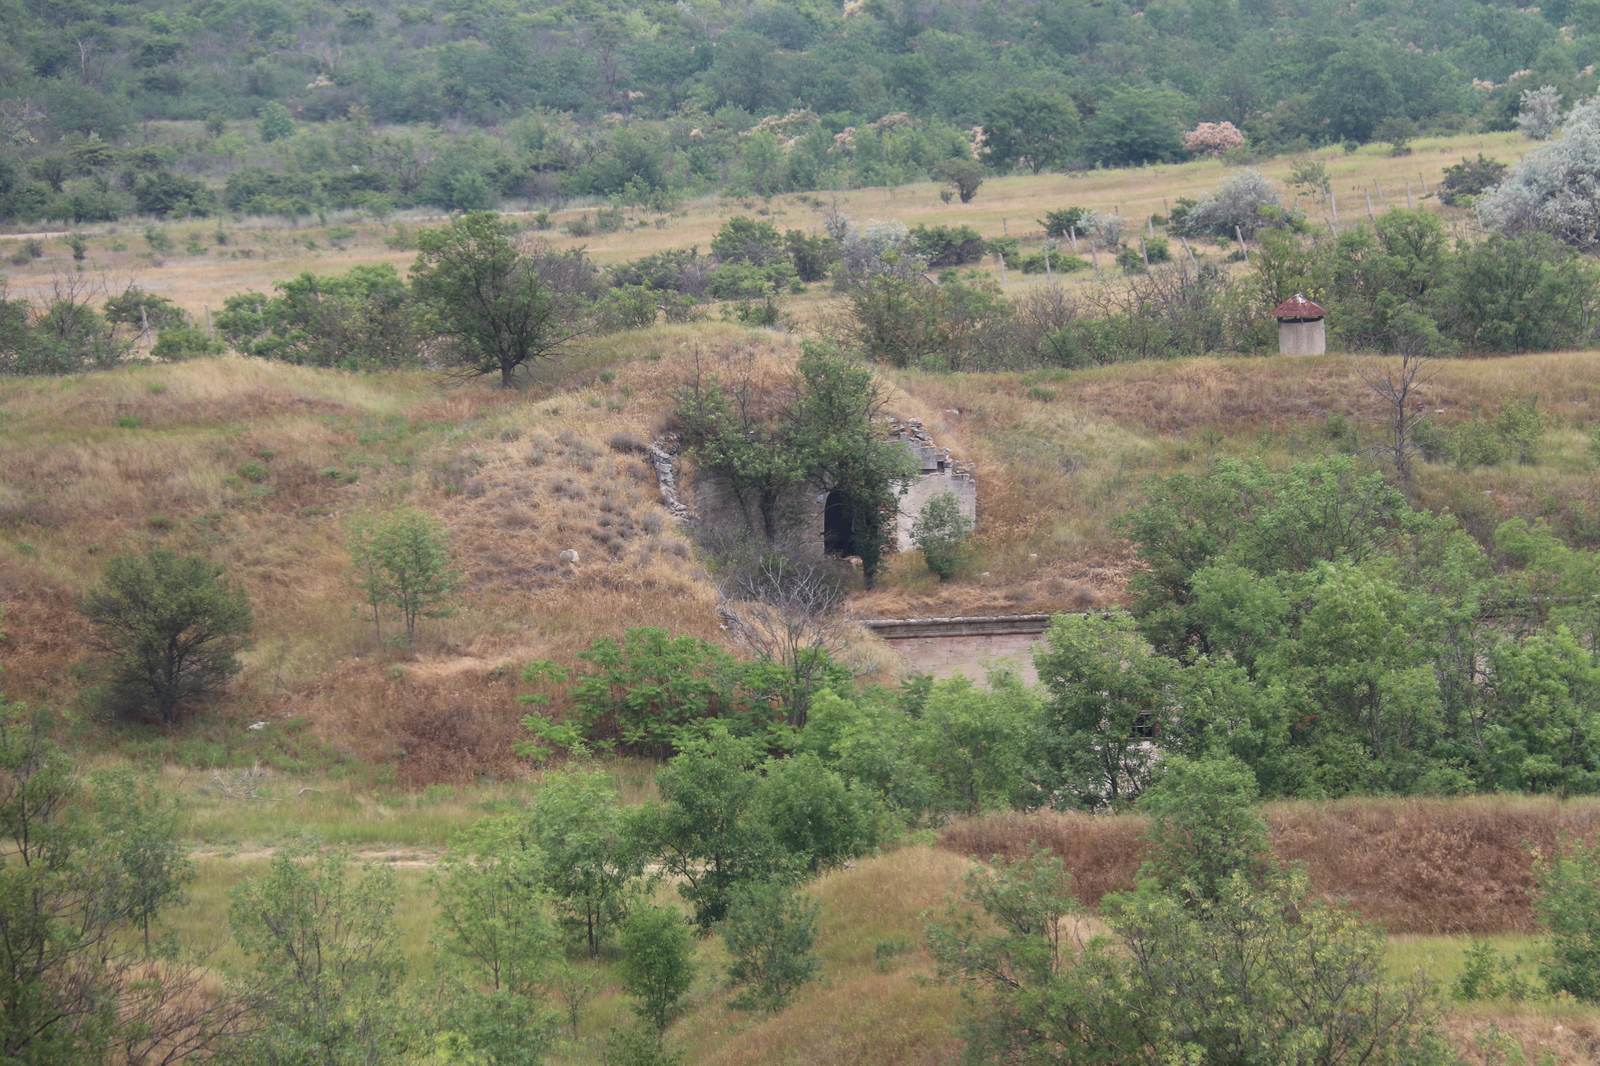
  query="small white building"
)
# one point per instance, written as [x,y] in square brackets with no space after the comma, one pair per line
[1301,330]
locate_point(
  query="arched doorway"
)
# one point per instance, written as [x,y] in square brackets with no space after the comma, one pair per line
[838,529]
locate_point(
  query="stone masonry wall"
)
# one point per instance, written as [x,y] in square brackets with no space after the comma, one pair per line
[802,508]
[943,656]
[940,474]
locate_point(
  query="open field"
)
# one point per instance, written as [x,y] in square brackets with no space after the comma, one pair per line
[197,272]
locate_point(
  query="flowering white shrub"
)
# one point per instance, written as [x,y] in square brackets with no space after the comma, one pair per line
[1213,138]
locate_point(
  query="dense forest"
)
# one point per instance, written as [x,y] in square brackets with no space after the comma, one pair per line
[262,106]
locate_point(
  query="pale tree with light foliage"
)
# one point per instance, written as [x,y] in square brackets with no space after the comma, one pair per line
[1540,116]
[1237,203]
[1556,188]
[1213,138]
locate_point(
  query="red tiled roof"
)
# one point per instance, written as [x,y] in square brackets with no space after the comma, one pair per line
[1297,306]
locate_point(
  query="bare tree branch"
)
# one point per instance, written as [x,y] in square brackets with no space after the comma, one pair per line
[1400,387]
[791,615]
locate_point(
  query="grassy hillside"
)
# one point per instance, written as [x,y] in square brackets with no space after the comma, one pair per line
[260,466]
[152,455]
[1436,873]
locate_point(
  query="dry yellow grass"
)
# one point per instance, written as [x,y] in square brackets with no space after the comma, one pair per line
[1413,865]
[862,1010]
[278,249]
[77,487]
[1059,456]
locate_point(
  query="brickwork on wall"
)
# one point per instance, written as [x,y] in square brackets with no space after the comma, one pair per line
[943,656]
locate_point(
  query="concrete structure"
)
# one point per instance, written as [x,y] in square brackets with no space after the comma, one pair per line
[940,474]
[1301,330]
[818,518]
[941,646]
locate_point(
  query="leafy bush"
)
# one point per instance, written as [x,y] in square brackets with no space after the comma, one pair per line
[640,692]
[945,246]
[1486,974]
[768,932]
[676,270]
[361,320]
[940,532]
[1064,222]
[1205,828]
[813,255]
[136,307]
[746,240]
[1466,179]
[1171,982]
[1060,263]
[581,854]
[1131,259]
[184,342]
[1568,907]
[657,963]
[311,905]
[402,560]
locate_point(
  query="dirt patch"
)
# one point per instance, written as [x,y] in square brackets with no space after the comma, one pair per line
[423,858]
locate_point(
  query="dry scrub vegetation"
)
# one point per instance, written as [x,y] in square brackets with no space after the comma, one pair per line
[259,465]
[1410,865]
[1060,455]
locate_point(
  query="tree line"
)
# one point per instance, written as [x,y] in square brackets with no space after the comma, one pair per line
[267,107]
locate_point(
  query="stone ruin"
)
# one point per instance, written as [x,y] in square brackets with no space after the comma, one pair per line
[940,474]
[821,519]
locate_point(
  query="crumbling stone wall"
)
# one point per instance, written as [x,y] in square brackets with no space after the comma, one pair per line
[940,474]
[802,510]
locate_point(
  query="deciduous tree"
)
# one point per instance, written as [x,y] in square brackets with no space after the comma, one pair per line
[1029,128]
[169,627]
[402,560]
[501,303]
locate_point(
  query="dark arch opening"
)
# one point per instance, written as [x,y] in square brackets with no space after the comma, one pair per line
[838,530]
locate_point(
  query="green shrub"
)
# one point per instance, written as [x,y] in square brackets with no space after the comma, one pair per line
[1568,907]
[1486,974]
[769,932]
[1060,263]
[169,627]
[1261,975]
[183,342]
[657,963]
[941,532]
[1061,223]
